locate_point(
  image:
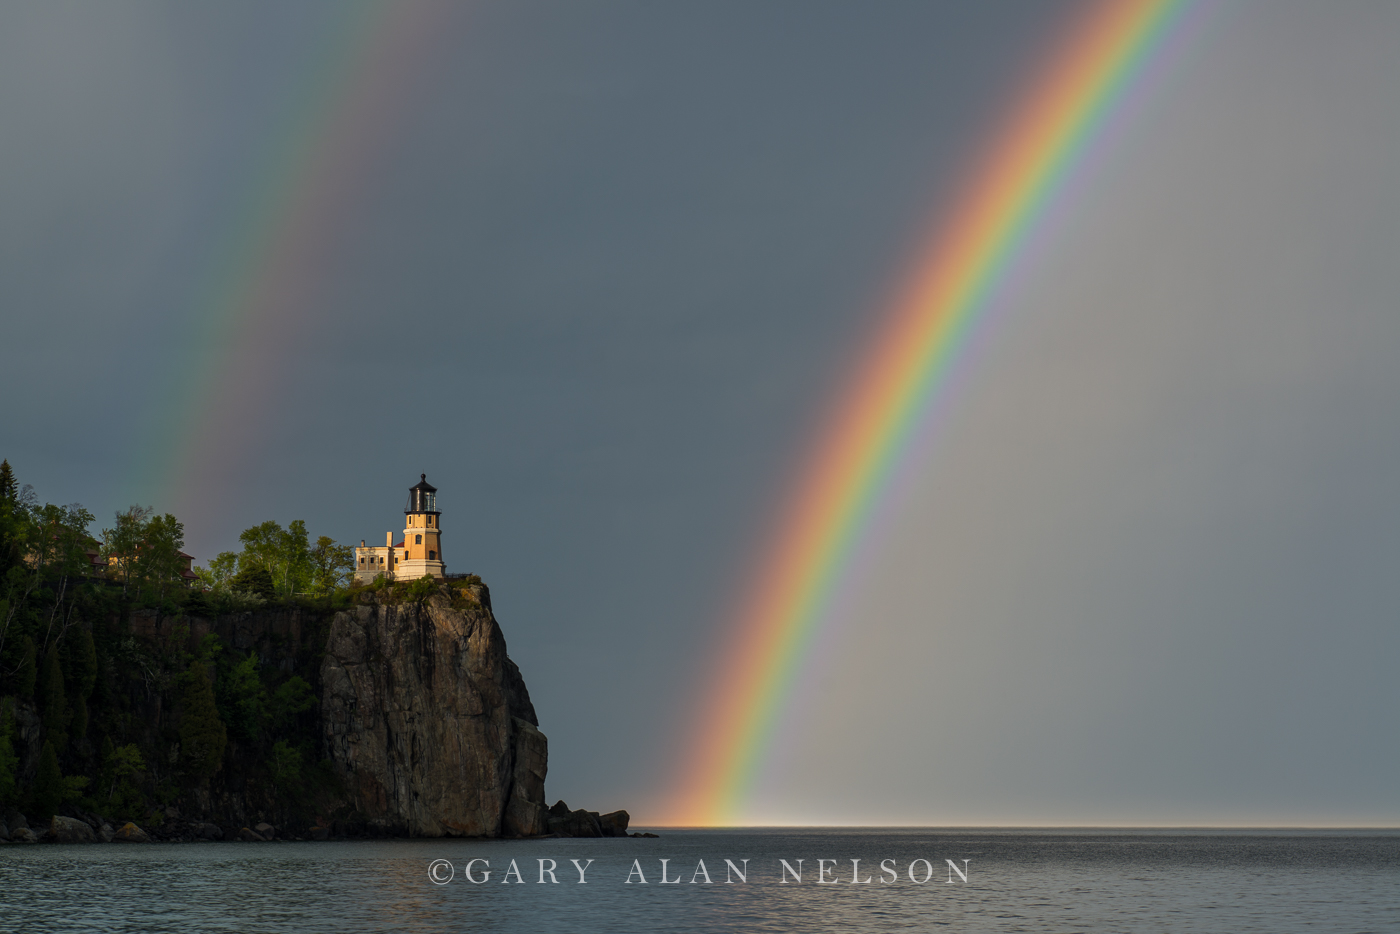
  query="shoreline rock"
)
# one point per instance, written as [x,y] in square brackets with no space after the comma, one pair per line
[130,833]
[564,822]
[70,830]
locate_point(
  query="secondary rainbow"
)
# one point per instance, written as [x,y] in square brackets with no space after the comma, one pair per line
[899,378]
[256,308]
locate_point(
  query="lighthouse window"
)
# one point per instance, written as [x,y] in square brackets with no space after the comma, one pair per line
[417,539]
[432,556]
[362,560]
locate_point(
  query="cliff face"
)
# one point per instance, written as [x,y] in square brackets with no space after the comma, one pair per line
[428,723]
[397,714]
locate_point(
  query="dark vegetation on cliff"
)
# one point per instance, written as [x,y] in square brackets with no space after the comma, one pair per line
[271,690]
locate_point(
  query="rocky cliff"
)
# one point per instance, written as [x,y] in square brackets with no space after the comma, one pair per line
[381,711]
[428,723]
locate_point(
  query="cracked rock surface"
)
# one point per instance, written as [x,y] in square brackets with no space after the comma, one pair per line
[429,724]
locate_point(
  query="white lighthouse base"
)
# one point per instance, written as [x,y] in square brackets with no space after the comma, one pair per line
[415,569]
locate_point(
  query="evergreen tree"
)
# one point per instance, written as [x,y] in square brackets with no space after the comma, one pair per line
[9,489]
[48,783]
[105,753]
[28,668]
[285,766]
[82,667]
[9,762]
[9,500]
[245,698]
[121,769]
[254,579]
[292,698]
[78,724]
[53,700]
[202,733]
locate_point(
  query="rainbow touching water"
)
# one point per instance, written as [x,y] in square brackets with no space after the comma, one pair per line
[1048,133]
[256,309]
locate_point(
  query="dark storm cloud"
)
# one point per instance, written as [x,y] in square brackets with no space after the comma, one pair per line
[609,266]
[598,285]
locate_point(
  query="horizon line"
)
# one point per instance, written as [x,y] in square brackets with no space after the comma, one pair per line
[1387,827]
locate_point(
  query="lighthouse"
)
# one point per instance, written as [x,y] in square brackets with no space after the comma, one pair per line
[420,552]
[422,534]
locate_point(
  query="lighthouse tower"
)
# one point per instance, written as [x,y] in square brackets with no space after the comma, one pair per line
[422,536]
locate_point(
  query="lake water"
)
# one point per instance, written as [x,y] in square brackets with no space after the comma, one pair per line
[1178,881]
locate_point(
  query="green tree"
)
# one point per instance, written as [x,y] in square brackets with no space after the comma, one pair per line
[53,701]
[144,550]
[245,698]
[121,773]
[79,655]
[291,698]
[104,756]
[202,733]
[422,588]
[9,762]
[82,665]
[9,489]
[283,552]
[163,563]
[28,671]
[60,556]
[44,564]
[220,571]
[332,564]
[209,648]
[9,506]
[16,581]
[48,783]
[254,579]
[122,545]
[78,720]
[285,765]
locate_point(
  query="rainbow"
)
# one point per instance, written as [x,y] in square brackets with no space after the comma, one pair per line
[255,307]
[902,373]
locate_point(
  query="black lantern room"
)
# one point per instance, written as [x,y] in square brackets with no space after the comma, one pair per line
[422,497]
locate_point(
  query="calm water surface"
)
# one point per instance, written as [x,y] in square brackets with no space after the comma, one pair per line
[1179,881]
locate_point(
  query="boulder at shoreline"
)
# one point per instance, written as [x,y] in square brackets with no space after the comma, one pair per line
[130,833]
[70,830]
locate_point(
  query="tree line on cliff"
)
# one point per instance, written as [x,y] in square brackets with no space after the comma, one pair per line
[99,718]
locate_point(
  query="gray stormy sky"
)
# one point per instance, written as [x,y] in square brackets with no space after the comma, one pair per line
[1145,571]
